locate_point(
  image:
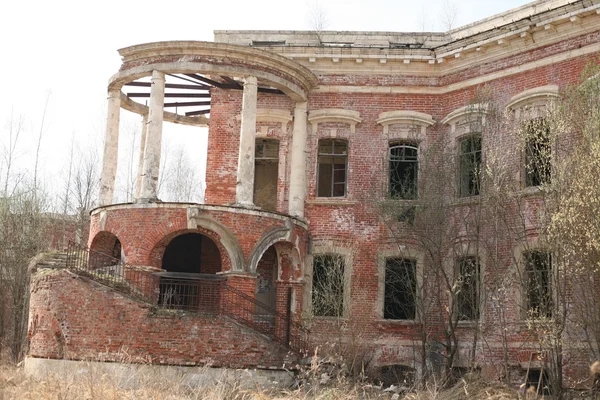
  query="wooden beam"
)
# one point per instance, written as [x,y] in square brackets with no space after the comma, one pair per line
[182,95]
[232,82]
[188,104]
[205,80]
[189,80]
[170,85]
[199,112]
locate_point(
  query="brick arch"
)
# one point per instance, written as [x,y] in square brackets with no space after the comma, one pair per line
[156,254]
[275,235]
[105,249]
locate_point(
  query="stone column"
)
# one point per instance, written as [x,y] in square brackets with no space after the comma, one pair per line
[153,139]
[244,191]
[111,148]
[298,162]
[140,172]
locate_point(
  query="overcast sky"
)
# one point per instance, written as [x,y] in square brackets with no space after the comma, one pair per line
[65,51]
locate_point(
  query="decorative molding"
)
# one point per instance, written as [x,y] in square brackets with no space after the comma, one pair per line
[406,117]
[273,115]
[334,115]
[463,112]
[545,93]
[284,117]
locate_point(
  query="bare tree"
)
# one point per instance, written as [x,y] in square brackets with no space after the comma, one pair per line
[317,19]
[448,15]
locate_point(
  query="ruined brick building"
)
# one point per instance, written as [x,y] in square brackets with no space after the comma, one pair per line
[307,133]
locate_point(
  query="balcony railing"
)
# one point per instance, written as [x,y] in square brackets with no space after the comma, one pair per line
[194,293]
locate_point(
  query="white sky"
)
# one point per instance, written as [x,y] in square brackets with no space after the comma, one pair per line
[68,49]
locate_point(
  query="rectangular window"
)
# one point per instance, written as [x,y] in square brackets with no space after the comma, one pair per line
[467,298]
[266,165]
[332,168]
[538,284]
[328,285]
[400,289]
[537,152]
[470,166]
[404,170]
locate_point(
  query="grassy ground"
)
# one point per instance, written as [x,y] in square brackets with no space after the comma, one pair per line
[14,384]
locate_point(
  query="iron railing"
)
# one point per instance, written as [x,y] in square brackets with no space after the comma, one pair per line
[200,293]
[197,293]
[127,279]
[265,319]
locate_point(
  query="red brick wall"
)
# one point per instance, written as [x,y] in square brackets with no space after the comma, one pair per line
[89,322]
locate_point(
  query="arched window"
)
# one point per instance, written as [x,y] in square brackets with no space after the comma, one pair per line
[403,170]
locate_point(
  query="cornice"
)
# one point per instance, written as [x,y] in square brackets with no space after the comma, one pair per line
[546,23]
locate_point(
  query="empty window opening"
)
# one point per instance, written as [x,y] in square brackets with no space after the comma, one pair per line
[397,375]
[470,166]
[537,152]
[538,284]
[332,168]
[403,172]
[400,289]
[266,168]
[328,285]
[467,297]
[539,379]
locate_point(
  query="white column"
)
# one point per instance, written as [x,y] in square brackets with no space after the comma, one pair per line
[244,191]
[111,148]
[298,162]
[153,139]
[140,171]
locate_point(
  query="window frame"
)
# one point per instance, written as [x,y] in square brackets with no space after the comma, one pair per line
[408,252]
[548,291]
[478,287]
[543,173]
[333,170]
[262,159]
[404,144]
[325,248]
[460,172]
[414,262]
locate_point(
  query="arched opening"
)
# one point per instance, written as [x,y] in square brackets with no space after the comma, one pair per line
[266,290]
[192,253]
[106,250]
[190,261]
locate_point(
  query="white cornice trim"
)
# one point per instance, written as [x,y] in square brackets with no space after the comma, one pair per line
[462,112]
[405,117]
[350,117]
[433,90]
[549,91]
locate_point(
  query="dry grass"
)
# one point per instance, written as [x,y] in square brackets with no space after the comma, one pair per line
[15,384]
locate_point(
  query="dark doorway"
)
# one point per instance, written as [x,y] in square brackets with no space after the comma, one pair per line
[191,262]
[192,253]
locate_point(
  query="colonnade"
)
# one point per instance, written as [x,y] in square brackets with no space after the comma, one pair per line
[151,142]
